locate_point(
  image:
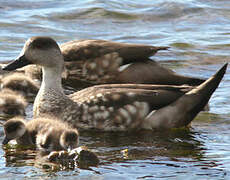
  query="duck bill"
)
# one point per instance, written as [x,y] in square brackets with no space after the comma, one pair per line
[5,141]
[18,63]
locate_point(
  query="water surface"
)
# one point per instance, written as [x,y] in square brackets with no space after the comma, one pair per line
[198,32]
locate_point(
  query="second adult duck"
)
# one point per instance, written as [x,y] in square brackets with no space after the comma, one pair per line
[91,62]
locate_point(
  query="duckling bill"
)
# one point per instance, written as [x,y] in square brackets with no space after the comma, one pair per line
[110,107]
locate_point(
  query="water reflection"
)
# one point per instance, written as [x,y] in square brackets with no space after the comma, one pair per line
[19,156]
[119,147]
[141,144]
[179,149]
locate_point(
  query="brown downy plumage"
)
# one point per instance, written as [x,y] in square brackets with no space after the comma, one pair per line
[47,134]
[21,84]
[11,104]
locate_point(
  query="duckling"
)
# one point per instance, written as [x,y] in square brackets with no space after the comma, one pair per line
[33,71]
[20,83]
[47,134]
[112,107]
[11,104]
[57,138]
[94,62]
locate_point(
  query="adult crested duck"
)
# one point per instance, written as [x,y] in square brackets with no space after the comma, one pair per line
[21,84]
[110,107]
[93,62]
[11,104]
[47,134]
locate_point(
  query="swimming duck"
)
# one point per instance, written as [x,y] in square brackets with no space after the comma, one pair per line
[11,104]
[21,84]
[92,62]
[46,133]
[110,107]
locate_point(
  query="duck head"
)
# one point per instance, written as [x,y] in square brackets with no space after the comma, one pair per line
[38,50]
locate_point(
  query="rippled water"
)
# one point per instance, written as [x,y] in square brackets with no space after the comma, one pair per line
[198,32]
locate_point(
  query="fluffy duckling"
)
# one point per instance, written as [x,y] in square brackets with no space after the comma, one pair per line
[21,84]
[57,138]
[33,71]
[118,107]
[47,134]
[11,104]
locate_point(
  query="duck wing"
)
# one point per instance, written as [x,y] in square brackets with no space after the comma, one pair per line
[151,72]
[108,69]
[91,49]
[122,107]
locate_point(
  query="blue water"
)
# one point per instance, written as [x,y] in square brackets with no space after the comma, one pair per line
[198,32]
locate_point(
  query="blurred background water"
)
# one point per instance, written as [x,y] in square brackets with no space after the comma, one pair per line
[198,32]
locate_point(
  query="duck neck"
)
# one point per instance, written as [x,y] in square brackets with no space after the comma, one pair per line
[49,92]
[51,80]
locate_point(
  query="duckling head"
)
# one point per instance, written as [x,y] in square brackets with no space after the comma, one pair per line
[69,139]
[39,50]
[14,129]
